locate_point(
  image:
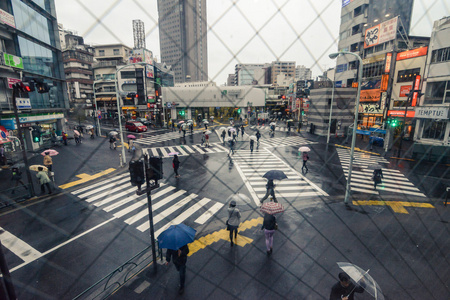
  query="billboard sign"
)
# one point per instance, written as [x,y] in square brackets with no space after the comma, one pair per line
[387,64]
[13,61]
[381,33]
[412,53]
[404,90]
[7,18]
[371,91]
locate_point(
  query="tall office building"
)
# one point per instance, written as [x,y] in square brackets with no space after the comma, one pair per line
[182,38]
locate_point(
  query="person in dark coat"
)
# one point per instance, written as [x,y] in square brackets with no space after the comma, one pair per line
[270,186]
[305,157]
[345,289]
[242,131]
[258,135]
[223,136]
[17,178]
[179,258]
[376,177]
[176,165]
[269,226]
[252,143]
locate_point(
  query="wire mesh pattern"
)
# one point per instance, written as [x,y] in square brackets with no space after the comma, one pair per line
[296,34]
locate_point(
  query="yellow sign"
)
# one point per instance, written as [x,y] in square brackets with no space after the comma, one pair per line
[129,107]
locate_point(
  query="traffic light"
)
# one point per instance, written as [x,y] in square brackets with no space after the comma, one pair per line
[137,177]
[303,112]
[132,95]
[25,87]
[283,97]
[181,112]
[239,111]
[42,87]
[36,135]
[155,169]
[394,122]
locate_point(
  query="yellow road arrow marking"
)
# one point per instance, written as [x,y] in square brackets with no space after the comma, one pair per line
[397,206]
[85,178]
[224,234]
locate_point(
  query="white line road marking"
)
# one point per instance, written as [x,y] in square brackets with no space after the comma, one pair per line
[63,244]
[17,246]
[209,213]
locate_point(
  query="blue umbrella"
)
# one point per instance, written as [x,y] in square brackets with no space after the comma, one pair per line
[176,236]
[275,175]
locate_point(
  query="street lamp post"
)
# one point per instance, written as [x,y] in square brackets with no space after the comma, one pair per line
[355,123]
[99,132]
[331,109]
[116,81]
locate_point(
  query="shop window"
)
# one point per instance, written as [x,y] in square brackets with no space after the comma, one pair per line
[407,75]
[435,91]
[354,47]
[433,129]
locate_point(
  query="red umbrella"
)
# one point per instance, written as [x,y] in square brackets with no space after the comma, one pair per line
[272,208]
[130,136]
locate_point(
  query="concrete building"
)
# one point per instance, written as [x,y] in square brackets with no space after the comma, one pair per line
[30,43]
[231,80]
[432,131]
[278,67]
[78,59]
[183,38]
[250,74]
[302,73]
[107,59]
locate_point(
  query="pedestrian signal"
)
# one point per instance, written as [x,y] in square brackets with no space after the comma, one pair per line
[36,136]
[155,169]
[137,177]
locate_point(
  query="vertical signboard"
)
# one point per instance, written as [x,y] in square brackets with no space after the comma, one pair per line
[387,64]
[416,87]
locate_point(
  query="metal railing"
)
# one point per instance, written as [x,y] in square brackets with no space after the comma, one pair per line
[106,286]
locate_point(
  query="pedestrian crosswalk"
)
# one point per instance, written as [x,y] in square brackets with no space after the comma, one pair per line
[161,137]
[285,141]
[252,166]
[185,150]
[267,127]
[169,204]
[393,180]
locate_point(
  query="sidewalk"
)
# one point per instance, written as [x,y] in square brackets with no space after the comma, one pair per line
[403,257]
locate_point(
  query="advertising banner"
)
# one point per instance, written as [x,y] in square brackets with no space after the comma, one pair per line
[381,33]
[370,109]
[404,90]
[371,91]
[7,18]
[412,53]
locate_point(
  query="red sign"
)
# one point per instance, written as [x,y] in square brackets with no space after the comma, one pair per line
[370,95]
[12,81]
[401,113]
[404,90]
[416,87]
[387,65]
[412,53]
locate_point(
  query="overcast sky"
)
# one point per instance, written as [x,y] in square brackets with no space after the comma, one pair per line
[240,31]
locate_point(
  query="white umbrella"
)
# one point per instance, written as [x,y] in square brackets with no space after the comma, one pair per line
[207,132]
[232,129]
[357,274]
[252,137]
[273,123]
[304,149]
[89,127]
[206,122]
[113,133]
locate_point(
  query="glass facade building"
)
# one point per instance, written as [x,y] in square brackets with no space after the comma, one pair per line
[30,36]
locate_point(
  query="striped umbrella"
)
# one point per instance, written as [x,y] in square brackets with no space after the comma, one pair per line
[272,208]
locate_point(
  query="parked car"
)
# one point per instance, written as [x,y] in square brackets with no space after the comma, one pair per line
[145,122]
[135,126]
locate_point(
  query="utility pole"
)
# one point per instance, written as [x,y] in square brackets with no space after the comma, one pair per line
[150,212]
[16,89]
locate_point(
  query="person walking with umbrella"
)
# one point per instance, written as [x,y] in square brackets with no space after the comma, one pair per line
[270,186]
[234,219]
[344,289]
[179,258]
[176,239]
[48,161]
[176,165]
[269,226]
[112,142]
[43,180]
[305,157]
[207,138]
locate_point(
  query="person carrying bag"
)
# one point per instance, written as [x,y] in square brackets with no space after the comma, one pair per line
[234,219]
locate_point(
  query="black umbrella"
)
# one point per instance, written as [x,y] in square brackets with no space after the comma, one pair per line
[275,175]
